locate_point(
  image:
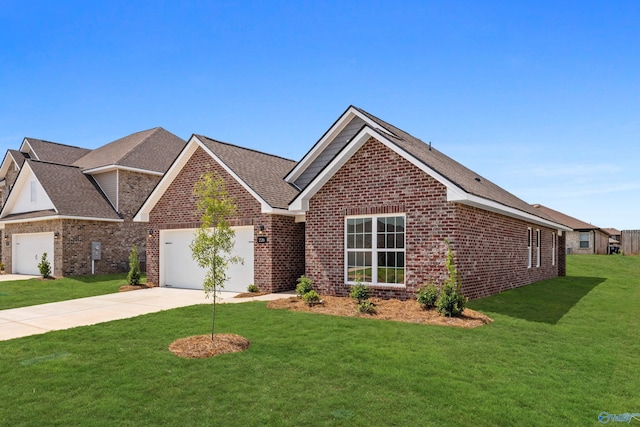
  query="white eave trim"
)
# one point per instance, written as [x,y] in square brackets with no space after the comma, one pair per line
[454,193]
[326,139]
[109,168]
[4,222]
[30,150]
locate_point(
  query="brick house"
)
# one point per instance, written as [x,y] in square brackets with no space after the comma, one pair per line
[582,238]
[59,199]
[269,238]
[369,201]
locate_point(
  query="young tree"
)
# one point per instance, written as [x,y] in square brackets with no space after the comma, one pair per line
[133,278]
[213,242]
[44,266]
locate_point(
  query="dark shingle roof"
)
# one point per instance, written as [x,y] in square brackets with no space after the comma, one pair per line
[54,152]
[153,150]
[72,192]
[455,172]
[264,173]
[18,156]
[565,219]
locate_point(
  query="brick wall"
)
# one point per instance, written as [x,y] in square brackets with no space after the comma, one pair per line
[133,190]
[277,263]
[489,247]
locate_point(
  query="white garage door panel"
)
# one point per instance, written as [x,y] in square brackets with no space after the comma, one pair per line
[28,250]
[179,270]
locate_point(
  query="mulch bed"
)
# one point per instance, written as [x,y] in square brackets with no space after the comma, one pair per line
[250,294]
[126,288]
[400,311]
[201,346]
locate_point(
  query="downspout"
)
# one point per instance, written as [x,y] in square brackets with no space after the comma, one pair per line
[594,242]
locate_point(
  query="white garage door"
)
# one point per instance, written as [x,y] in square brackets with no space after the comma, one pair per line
[27,252]
[179,270]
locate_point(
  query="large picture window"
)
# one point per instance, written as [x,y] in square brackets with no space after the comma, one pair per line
[375,249]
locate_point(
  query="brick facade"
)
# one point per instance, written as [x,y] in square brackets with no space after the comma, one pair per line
[490,249]
[72,247]
[277,263]
[598,243]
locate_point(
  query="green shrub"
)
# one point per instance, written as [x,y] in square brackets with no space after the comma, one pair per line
[312,298]
[450,301]
[44,266]
[367,307]
[427,295]
[305,285]
[360,291]
[253,288]
[133,278]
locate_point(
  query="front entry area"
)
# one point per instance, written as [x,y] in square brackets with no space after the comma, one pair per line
[179,270]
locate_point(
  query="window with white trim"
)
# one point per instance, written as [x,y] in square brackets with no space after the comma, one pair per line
[537,248]
[379,259]
[553,248]
[584,240]
[34,193]
[529,247]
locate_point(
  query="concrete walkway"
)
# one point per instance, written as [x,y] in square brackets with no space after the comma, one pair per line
[38,319]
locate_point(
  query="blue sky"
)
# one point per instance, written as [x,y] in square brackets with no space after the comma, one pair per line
[543,98]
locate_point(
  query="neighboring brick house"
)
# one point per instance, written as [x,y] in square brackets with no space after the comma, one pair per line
[584,238]
[615,239]
[60,199]
[268,237]
[369,201]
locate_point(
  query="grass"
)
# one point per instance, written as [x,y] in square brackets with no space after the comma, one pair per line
[21,293]
[558,353]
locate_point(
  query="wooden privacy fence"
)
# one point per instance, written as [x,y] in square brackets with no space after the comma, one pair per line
[630,242]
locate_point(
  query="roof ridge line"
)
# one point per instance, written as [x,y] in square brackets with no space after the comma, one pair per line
[57,143]
[245,148]
[132,149]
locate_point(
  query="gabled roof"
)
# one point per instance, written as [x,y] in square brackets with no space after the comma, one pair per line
[259,173]
[11,157]
[53,152]
[72,193]
[463,185]
[264,173]
[150,150]
[569,221]
[612,231]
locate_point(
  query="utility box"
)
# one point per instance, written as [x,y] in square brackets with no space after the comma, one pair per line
[96,251]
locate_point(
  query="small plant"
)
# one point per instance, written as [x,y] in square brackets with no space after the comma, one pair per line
[133,278]
[305,285]
[427,295]
[450,302]
[360,291]
[312,298]
[367,307]
[44,266]
[253,288]
[1,266]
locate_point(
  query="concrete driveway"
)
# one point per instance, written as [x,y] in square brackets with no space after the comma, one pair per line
[38,319]
[9,277]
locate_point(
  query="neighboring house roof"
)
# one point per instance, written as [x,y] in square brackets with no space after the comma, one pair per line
[262,172]
[463,185]
[569,221]
[11,157]
[150,150]
[53,152]
[612,231]
[259,173]
[72,193]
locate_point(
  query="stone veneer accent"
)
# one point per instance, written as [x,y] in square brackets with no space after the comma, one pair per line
[277,263]
[490,249]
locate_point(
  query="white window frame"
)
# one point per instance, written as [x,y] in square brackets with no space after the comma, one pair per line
[529,242]
[538,237]
[374,249]
[580,240]
[34,192]
[553,248]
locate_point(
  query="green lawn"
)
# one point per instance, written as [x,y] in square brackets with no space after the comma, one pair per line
[559,352]
[21,293]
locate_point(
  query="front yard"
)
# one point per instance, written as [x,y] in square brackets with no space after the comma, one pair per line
[559,352]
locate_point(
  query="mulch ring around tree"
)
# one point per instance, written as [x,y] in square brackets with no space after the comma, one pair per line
[400,311]
[126,288]
[250,294]
[202,346]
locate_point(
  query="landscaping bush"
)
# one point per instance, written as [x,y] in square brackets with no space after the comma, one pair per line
[253,288]
[427,295]
[44,266]
[360,291]
[305,285]
[367,307]
[312,298]
[133,278]
[450,301]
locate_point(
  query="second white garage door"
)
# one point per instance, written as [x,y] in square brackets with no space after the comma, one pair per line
[27,252]
[179,270]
